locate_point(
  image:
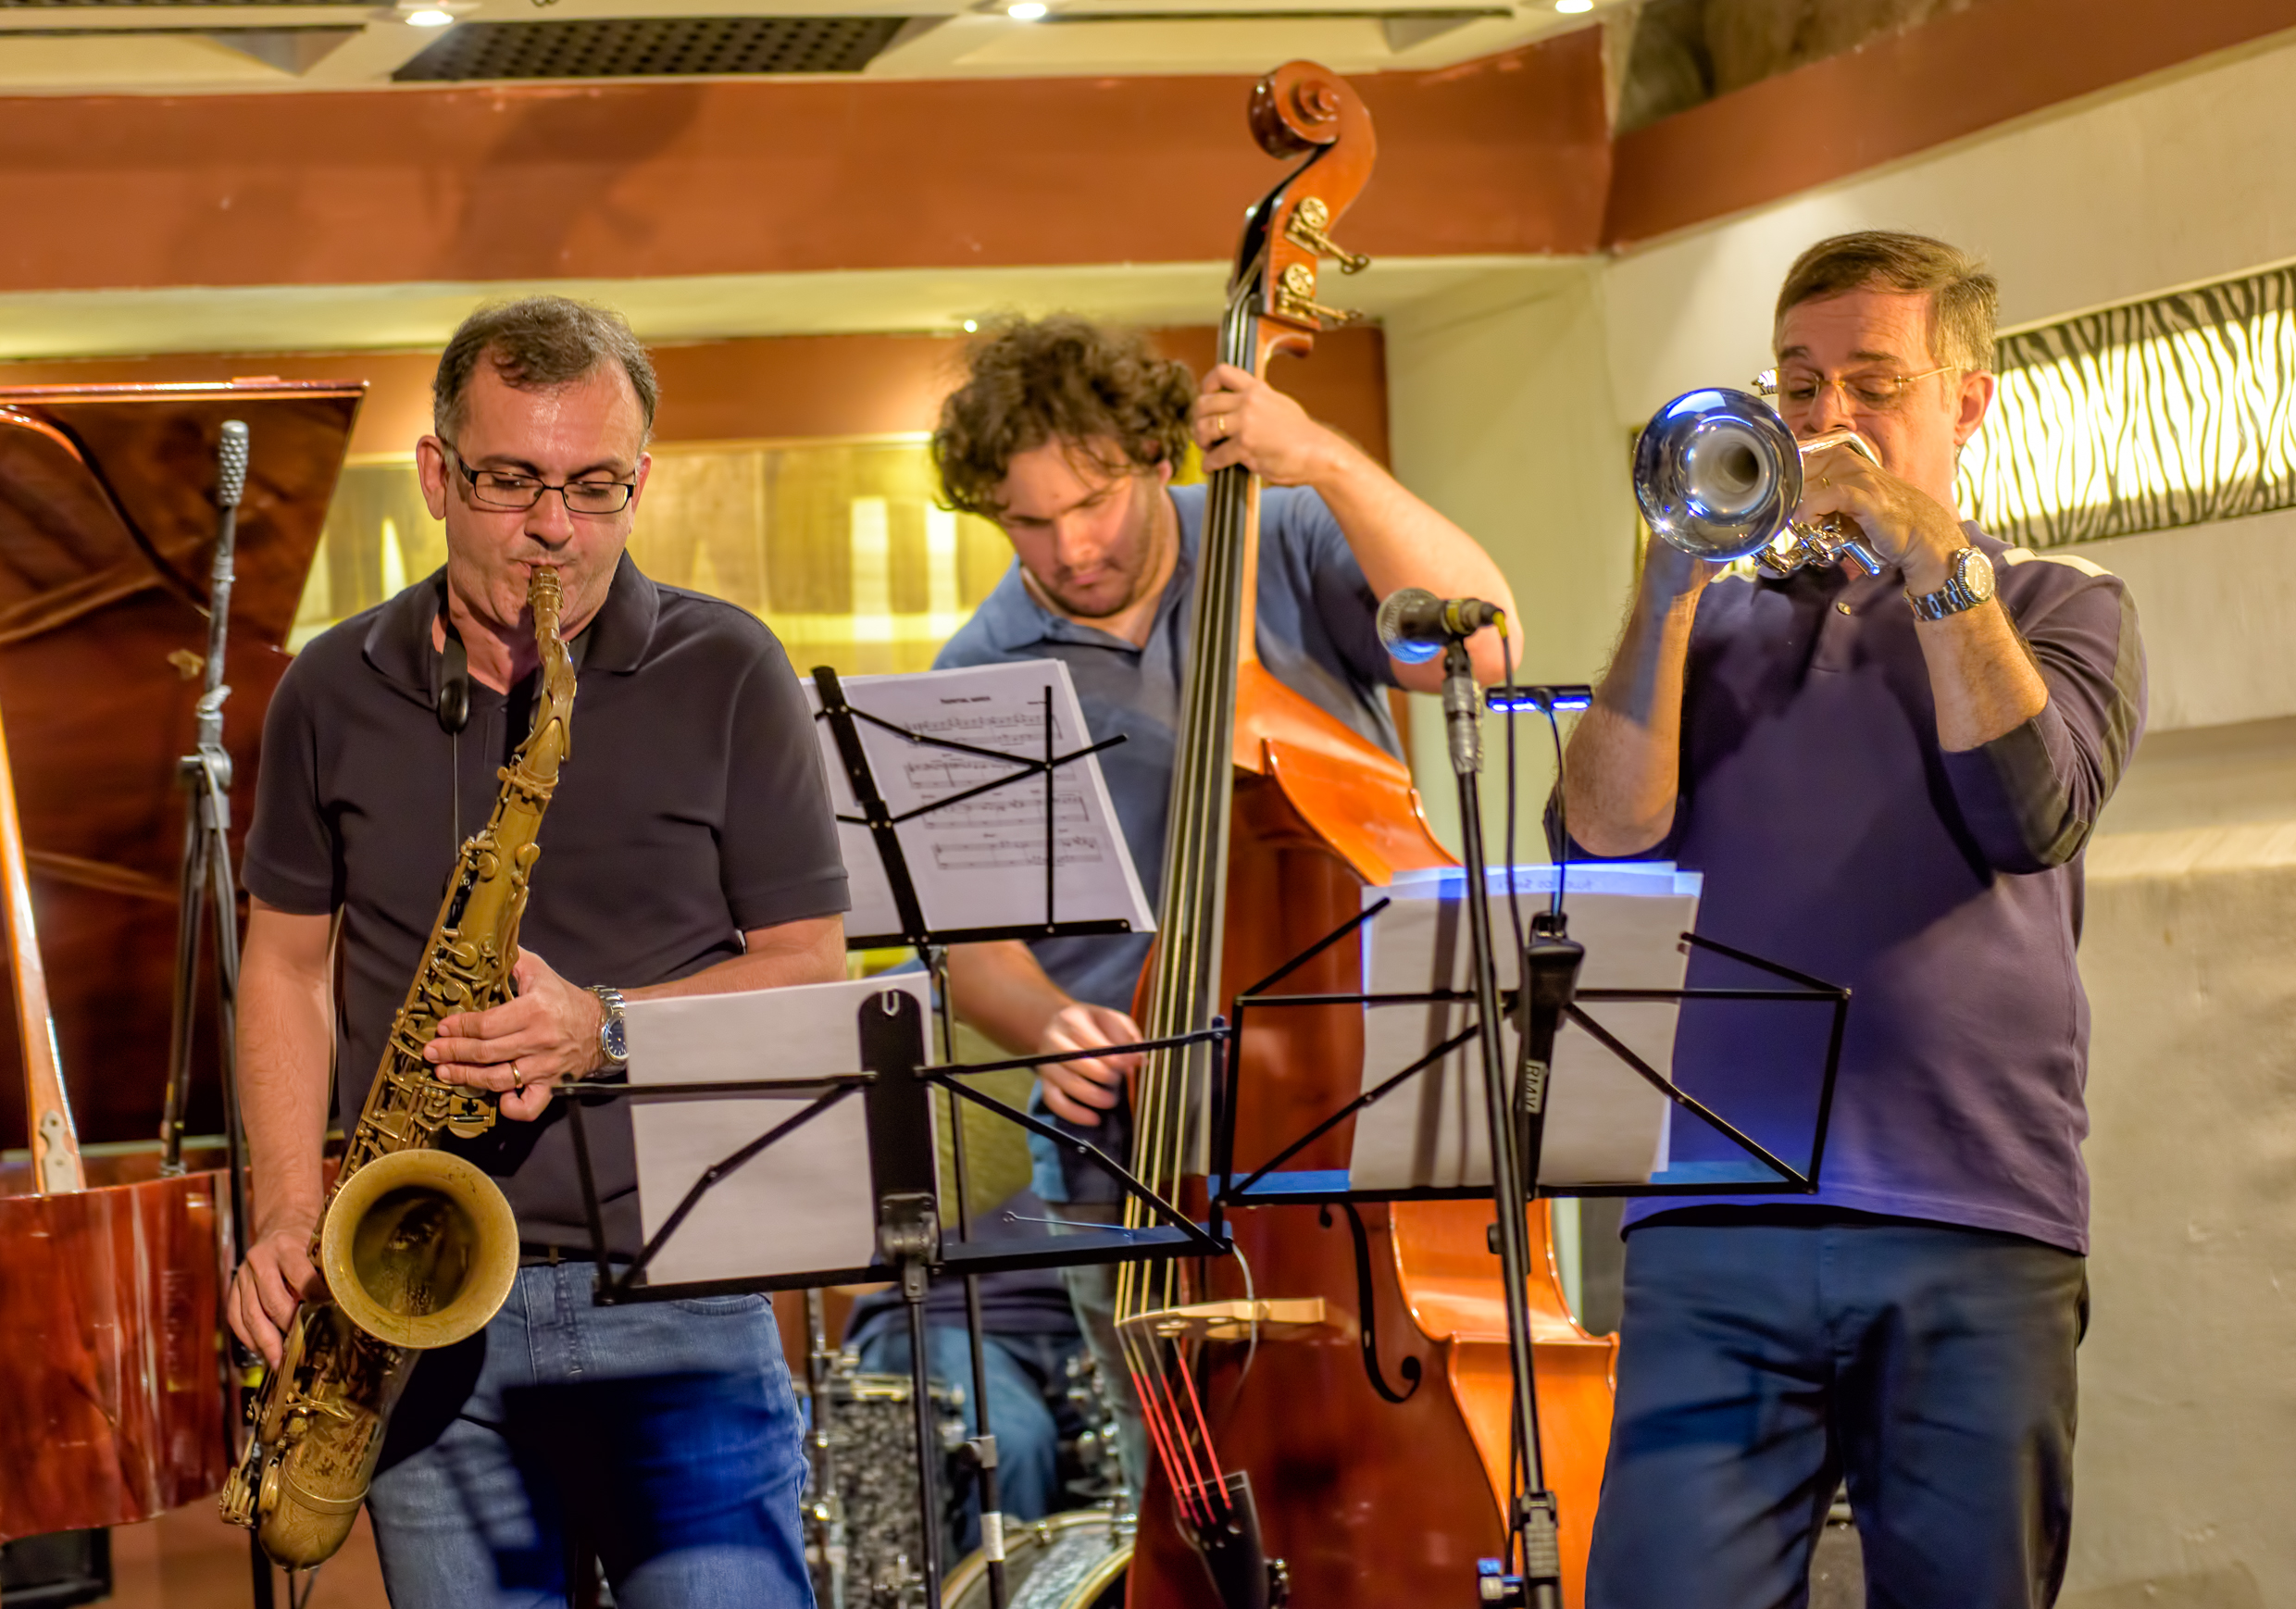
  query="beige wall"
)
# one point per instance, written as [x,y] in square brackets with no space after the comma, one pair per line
[1511,413]
[1500,415]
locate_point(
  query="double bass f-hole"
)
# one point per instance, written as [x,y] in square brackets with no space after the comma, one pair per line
[1367,1320]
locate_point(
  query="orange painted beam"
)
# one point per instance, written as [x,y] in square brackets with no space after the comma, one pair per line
[1506,154]
[1902,94]
[766,388]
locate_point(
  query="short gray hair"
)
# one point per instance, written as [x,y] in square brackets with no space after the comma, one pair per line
[1963,296]
[536,343]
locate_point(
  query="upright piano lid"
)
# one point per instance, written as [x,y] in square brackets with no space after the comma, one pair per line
[107,525]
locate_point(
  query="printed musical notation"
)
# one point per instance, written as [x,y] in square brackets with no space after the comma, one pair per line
[971,859]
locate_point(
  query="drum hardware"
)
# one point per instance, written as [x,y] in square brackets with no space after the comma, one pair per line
[1066,1561]
[863,1544]
[1093,1454]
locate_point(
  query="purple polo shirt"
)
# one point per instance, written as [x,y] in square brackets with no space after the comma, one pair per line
[1943,889]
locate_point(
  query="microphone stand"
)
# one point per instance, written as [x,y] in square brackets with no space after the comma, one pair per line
[1515,1127]
[208,889]
[206,871]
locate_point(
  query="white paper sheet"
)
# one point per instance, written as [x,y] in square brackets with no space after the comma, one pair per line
[1605,1125]
[980,864]
[804,1203]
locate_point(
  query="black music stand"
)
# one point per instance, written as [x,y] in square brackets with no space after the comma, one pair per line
[1546,995]
[931,949]
[895,1081]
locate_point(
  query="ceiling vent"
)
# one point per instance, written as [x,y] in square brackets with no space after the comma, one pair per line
[652,47]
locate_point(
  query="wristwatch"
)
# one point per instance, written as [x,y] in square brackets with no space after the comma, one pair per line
[613,1043]
[1968,584]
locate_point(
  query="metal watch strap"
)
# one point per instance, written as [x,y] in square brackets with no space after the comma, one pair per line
[610,1000]
[1955,596]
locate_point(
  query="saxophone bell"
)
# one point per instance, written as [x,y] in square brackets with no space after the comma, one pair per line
[1719,475]
[420,1249]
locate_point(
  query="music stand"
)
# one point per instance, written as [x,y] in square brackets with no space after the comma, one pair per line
[895,1081]
[1514,1118]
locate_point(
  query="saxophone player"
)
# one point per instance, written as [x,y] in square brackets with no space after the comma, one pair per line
[690,849]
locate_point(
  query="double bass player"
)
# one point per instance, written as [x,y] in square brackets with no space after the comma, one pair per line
[1067,435]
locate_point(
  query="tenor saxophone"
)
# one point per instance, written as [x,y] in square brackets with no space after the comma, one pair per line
[417,1246]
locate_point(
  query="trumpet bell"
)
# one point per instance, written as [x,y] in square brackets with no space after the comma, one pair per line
[419,1247]
[1717,474]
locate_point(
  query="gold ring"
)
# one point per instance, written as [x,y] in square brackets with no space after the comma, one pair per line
[517,1078]
[1221,420]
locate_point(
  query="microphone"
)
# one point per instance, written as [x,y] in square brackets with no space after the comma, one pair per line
[232,465]
[454,705]
[1414,624]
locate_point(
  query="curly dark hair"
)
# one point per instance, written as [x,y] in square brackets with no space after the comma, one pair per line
[1062,379]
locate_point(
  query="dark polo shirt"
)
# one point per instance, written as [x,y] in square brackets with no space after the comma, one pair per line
[1943,889]
[691,808]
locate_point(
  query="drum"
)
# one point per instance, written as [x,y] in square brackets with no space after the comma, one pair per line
[872,1452]
[1067,1561]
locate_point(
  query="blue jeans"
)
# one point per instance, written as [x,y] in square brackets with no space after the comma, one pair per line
[1025,1373]
[1760,1366]
[661,1437]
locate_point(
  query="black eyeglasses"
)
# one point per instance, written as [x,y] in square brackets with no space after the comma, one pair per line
[517,494]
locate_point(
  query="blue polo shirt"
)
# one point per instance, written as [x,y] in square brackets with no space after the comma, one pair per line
[1314,631]
[1943,889]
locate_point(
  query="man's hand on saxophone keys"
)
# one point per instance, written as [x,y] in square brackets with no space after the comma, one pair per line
[546,1035]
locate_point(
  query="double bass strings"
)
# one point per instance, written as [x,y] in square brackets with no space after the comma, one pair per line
[1186,975]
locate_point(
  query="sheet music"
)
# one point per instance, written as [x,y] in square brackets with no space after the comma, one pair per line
[1605,1125]
[980,863]
[804,1203]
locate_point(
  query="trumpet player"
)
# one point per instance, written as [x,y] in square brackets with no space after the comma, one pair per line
[1888,781]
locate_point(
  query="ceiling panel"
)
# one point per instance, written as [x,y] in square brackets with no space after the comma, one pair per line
[652,47]
[144,45]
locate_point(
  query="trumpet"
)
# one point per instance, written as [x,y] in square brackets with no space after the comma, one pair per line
[1717,474]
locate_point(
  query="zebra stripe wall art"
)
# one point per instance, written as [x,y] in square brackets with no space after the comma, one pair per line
[2167,412]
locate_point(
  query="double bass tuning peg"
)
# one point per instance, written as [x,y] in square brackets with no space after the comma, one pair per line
[1295,298]
[1309,227]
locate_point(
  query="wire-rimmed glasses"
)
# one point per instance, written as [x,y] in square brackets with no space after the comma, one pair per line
[1870,391]
[512,493]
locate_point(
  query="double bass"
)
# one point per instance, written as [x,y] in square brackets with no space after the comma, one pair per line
[1329,1409]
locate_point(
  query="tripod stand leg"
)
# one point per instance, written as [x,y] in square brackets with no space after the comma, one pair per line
[191,900]
[928,1439]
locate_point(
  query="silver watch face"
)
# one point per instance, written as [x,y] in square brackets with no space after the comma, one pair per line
[1975,572]
[612,1040]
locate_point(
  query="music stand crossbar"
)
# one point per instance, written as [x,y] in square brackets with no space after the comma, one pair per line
[1230,1192]
[1186,1238]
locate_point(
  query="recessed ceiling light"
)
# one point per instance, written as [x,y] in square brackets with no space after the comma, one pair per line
[1573,8]
[1025,10]
[428,19]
